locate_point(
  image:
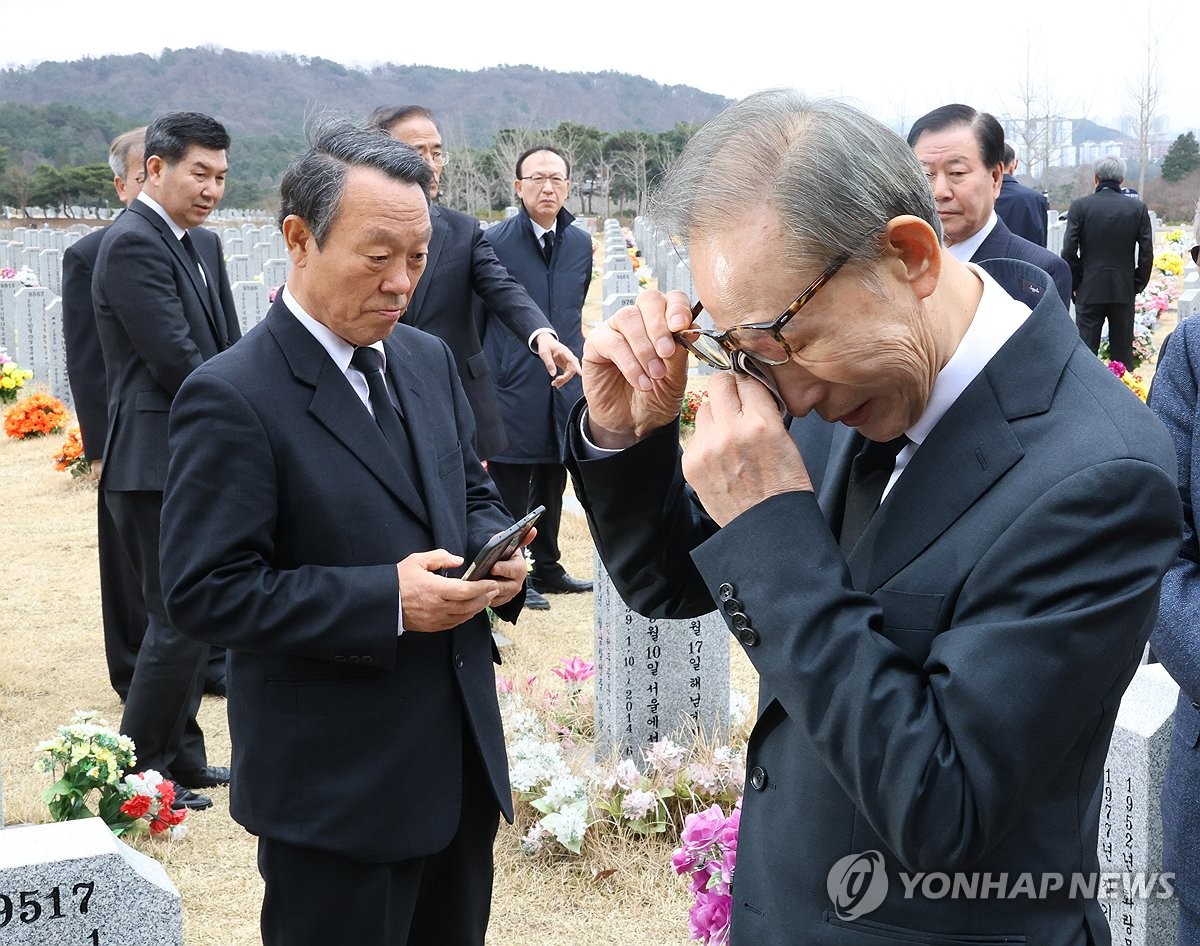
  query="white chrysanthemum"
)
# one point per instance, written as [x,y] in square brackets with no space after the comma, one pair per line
[568,825]
[145,783]
[639,804]
[563,789]
[625,776]
[665,756]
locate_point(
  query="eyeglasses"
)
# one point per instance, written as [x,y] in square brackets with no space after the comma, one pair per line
[762,341]
[539,180]
[1195,253]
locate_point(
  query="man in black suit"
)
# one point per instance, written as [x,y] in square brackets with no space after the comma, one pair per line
[327,544]
[1024,210]
[123,614]
[163,306]
[1110,248]
[962,151]
[553,260]
[461,262]
[944,628]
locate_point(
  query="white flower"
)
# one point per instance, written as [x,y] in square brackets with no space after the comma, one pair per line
[627,776]
[665,756]
[145,783]
[564,789]
[639,804]
[178,832]
[568,825]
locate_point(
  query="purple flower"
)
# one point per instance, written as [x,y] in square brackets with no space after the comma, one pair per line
[1117,368]
[708,919]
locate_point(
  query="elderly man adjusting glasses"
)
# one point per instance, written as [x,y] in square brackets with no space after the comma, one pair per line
[943,558]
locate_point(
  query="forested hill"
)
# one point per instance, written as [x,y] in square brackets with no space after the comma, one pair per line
[262,96]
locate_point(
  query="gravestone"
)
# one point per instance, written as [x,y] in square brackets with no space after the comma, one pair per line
[50,270]
[238,267]
[620,282]
[251,301]
[275,272]
[1189,302]
[57,376]
[233,246]
[8,315]
[656,678]
[1130,816]
[74,884]
[33,334]
[617,301]
[260,252]
[618,262]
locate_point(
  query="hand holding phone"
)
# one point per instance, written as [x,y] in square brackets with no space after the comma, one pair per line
[501,546]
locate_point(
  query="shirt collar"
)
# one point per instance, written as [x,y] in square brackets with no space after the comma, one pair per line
[966,249]
[539,231]
[158,209]
[996,320]
[340,350]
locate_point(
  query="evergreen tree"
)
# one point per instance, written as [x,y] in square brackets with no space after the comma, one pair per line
[1182,159]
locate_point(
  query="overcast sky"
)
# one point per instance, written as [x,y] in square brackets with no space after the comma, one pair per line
[881,55]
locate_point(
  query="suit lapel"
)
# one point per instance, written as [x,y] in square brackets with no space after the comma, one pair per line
[338,408]
[437,241]
[176,247]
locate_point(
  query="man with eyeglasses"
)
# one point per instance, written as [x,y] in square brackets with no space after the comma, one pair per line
[553,261]
[1109,246]
[944,569]
[461,263]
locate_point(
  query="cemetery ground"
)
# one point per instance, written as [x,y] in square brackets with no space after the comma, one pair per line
[51,664]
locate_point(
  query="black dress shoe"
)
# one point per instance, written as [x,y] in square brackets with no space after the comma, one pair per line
[211,776]
[534,601]
[560,584]
[186,798]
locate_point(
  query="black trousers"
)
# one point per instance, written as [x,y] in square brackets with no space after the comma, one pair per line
[168,678]
[121,608]
[1089,318]
[318,898]
[524,486]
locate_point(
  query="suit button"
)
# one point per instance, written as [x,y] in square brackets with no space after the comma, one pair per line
[458,661]
[733,605]
[340,658]
[749,637]
[739,620]
[725,591]
[368,659]
[758,778]
[352,659]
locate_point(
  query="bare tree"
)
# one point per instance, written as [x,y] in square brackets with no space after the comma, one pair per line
[1038,127]
[1145,93]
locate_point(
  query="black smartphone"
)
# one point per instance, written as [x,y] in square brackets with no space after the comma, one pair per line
[501,546]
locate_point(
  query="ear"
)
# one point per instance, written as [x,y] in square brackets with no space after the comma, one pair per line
[914,244]
[997,180]
[299,239]
[154,168]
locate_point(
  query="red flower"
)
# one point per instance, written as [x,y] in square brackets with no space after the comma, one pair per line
[137,806]
[166,790]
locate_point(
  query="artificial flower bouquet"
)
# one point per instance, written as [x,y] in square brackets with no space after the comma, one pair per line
[707,853]
[35,416]
[70,456]
[12,378]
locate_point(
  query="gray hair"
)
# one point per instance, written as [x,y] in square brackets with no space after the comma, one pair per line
[833,175]
[313,183]
[124,146]
[1110,168]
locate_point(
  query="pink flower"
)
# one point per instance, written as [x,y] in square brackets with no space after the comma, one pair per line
[708,919]
[1117,368]
[702,829]
[575,670]
[505,684]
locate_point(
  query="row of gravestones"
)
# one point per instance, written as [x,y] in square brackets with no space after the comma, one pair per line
[1189,299]
[619,279]
[74,883]
[31,316]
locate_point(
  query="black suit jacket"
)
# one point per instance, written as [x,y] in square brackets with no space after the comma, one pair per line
[1023,210]
[945,694]
[1109,245]
[157,321]
[462,262]
[1002,243]
[85,360]
[282,526]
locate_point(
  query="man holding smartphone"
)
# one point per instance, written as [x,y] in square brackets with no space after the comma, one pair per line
[325,556]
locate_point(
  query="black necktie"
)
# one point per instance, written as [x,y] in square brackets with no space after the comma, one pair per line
[869,474]
[190,248]
[387,415]
[548,245]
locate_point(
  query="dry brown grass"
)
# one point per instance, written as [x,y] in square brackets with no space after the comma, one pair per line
[51,663]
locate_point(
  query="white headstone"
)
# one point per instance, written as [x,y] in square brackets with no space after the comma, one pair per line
[50,269]
[251,300]
[617,301]
[74,884]
[33,332]
[620,282]
[656,678]
[618,262]
[57,378]
[8,315]
[274,272]
[1130,839]
[1189,302]
[238,267]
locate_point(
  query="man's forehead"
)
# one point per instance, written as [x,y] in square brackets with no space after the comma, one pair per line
[198,156]
[956,143]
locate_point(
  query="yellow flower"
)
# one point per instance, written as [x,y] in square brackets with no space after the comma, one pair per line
[6,368]
[29,374]
[7,383]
